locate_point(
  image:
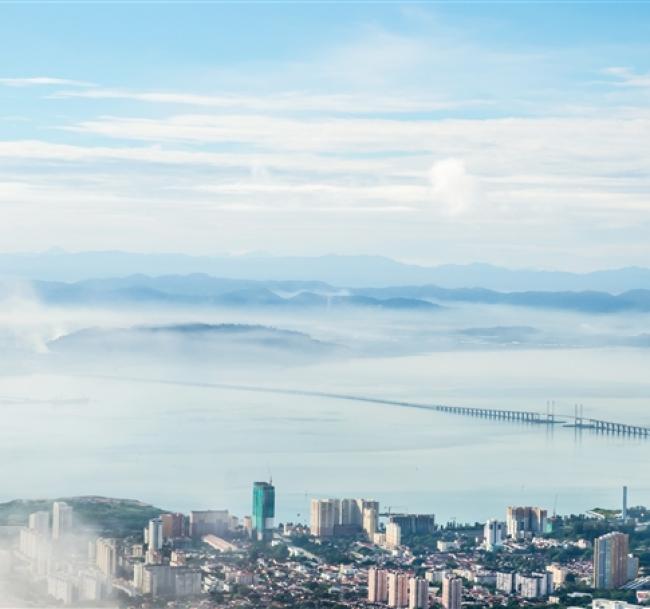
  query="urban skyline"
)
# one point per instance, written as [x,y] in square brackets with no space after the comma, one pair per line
[167,560]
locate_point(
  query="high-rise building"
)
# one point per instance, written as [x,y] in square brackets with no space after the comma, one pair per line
[398,589]
[167,581]
[377,585]
[505,582]
[611,561]
[61,519]
[106,557]
[351,513]
[263,510]
[61,588]
[418,593]
[173,525]
[342,517]
[452,592]
[522,522]
[370,521]
[624,510]
[533,586]
[155,534]
[415,524]
[393,535]
[493,534]
[325,516]
[208,522]
[40,522]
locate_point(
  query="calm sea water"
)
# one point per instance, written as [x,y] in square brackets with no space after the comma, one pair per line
[183,447]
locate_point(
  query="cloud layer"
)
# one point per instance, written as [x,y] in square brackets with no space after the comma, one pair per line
[400,154]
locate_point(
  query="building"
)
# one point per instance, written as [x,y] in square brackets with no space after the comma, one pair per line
[187,582]
[37,549]
[415,524]
[447,546]
[167,581]
[263,510]
[40,522]
[370,521]
[240,577]
[558,575]
[157,580]
[62,589]
[452,592]
[155,534]
[377,585]
[536,585]
[341,517]
[602,603]
[138,576]
[505,582]
[173,526]
[435,577]
[247,524]
[611,558]
[493,534]
[398,590]
[418,593]
[106,557]
[208,522]
[524,522]
[325,517]
[352,513]
[61,519]
[632,567]
[93,587]
[393,535]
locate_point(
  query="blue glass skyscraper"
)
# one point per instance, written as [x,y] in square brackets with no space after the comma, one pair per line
[263,510]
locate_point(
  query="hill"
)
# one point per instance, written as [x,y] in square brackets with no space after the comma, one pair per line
[102,514]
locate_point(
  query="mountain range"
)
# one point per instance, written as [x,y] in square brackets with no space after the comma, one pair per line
[204,290]
[358,271]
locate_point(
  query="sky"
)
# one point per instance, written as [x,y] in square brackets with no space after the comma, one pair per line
[515,133]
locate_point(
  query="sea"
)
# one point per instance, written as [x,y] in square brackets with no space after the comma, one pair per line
[178,441]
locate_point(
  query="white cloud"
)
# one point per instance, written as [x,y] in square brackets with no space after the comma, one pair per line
[296,101]
[38,81]
[628,77]
[453,187]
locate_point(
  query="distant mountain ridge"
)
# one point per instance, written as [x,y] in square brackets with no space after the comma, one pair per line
[358,271]
[203,290]
[209,291]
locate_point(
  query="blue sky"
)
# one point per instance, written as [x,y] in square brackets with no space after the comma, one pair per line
[513,133]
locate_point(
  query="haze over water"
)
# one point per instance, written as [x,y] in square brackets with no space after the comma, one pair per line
[187,447]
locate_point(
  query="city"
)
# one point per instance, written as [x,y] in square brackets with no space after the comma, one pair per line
[324,304]
[350,554]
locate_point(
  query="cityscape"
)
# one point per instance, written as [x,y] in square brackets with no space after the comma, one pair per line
[351,553]
[324,304]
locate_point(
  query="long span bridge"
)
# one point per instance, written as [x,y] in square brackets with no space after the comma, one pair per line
[576,420]
[548,418]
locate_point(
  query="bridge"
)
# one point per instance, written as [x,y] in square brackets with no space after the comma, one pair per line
[549,418]
[525,416]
